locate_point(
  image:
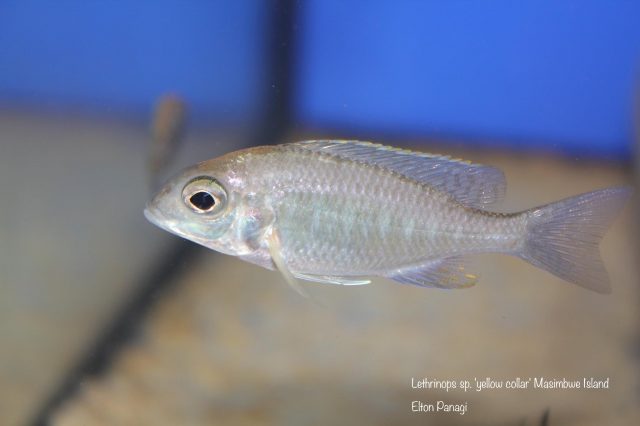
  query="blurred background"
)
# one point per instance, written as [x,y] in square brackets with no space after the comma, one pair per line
[105,319]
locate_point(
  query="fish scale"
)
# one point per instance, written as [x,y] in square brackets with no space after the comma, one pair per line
[318,203]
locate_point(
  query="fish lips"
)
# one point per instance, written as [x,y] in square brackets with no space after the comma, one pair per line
[155,216]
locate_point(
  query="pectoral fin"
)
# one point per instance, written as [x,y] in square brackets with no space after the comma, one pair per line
[447,273]
[326,279]
[275,250]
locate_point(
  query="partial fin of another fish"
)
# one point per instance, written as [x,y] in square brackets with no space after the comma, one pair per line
[326,279]
[275,250]
[473,185]
[167,131]
[563,237]
[448,273]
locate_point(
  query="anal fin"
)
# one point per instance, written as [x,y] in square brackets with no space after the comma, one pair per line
[449,273]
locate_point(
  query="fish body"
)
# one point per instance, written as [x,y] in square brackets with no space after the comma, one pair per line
[343,218]
[337,211]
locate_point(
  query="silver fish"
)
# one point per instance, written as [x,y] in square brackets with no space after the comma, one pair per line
[339,211]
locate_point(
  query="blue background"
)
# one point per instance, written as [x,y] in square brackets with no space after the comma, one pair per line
[556,74]
[122,55]
[529,74]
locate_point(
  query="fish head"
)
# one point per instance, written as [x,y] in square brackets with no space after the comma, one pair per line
[207,204]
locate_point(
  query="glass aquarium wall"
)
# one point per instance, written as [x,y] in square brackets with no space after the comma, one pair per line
[108,319]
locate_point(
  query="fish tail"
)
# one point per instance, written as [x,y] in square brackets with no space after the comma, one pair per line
[563,237]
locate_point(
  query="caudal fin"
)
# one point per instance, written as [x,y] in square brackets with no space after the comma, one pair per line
[563,237]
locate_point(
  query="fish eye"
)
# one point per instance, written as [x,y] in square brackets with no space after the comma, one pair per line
[202,200]
[204,195]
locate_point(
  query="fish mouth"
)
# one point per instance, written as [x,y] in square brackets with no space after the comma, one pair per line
[154,216]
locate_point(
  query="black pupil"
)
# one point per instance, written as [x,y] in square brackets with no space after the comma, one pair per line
[202,200]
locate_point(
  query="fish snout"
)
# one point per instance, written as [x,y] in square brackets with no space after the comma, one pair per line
[152,214]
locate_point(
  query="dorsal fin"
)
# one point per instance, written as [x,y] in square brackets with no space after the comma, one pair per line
[471,184]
